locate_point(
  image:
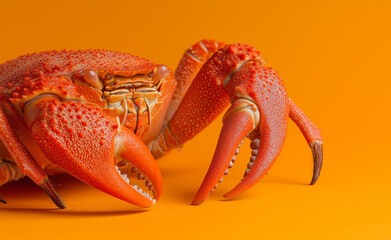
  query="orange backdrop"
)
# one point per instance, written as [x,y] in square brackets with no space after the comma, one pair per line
[334,57]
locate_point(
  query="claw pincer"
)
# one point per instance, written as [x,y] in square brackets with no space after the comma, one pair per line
[80,139]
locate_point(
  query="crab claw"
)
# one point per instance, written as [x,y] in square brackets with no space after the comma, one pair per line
[259,110]
[238,123]
[86,143]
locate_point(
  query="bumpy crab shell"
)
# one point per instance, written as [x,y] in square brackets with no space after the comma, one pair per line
[113,68]
[109,88]
[91,113]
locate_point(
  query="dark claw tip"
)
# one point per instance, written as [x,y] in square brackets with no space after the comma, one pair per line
[52,193]
[3,201]
[317,153]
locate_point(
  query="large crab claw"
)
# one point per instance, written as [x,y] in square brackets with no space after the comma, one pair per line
[87,144]
[259,110]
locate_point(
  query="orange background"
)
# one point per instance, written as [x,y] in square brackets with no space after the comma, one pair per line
[334,57]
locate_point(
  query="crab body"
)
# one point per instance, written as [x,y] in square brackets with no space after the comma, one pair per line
[95,113]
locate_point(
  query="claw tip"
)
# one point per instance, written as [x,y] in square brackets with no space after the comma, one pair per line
[197,202]
[317,152]
[52,193]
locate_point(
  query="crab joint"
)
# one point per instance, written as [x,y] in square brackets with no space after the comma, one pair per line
[31,109]
[244,105]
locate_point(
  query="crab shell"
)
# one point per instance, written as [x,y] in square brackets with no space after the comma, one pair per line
[91,113]
[28,76]
[101,90]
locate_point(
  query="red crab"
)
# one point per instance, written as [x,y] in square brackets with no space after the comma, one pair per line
[99,114]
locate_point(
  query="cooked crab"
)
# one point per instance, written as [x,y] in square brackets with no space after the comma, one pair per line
[101,116]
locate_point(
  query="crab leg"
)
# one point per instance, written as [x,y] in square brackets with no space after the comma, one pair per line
[190,64]
[8,169]
[85,142]
[311,134]
[24,160]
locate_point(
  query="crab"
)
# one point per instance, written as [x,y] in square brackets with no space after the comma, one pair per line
[102,116]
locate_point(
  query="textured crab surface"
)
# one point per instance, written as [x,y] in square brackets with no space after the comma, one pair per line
[92,114]
[71,99]
[54,63]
